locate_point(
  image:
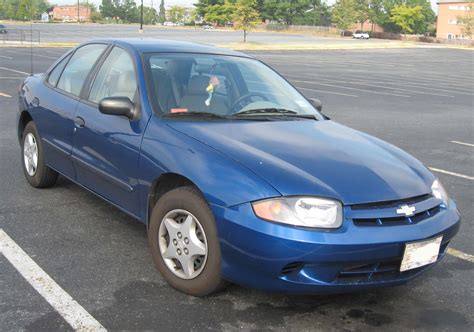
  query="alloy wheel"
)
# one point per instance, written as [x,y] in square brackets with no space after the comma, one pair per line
[30,154]
[183,244]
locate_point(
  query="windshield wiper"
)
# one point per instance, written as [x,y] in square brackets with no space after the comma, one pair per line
[201,114]
[265,111]
[275,111]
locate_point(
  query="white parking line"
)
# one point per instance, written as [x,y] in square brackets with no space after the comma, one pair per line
[4,95]
[451,173]
[349,88]
[461,255]
[62,302]
[15,71]
[34,54]
[370,85]
[462,143]
[6,57]
[334,93]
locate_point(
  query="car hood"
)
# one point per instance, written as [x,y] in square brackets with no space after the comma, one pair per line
[320,158]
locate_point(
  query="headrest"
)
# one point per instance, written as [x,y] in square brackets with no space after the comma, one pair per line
[126,83]
[197,85]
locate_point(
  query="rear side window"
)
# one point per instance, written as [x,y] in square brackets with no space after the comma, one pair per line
[56,72]
[116,77]
[78,68]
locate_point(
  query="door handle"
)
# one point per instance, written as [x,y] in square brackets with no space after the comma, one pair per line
[79,122]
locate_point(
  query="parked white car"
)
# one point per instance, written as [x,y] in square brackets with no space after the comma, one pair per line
[360,35]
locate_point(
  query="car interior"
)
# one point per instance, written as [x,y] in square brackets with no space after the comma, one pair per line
[183,84]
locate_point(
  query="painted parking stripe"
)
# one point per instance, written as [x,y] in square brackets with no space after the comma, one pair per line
[461,255]
[15,71]
[462,143]
[34,54]
[4,95]
[451,173]
[372,85]
[334,93]
[6,57]
[349,88]
[62,302]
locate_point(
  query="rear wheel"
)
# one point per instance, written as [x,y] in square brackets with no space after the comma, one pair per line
[184,243]
[36,172]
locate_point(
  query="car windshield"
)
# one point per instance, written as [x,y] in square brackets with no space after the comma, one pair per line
[223,86]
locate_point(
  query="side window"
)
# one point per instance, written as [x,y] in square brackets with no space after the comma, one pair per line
[56,72]
[116,77]
[78,68]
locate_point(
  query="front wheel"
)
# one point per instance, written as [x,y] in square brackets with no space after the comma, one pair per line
[36,172]
[184,244]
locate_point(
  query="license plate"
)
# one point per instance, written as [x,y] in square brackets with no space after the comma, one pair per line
[421,253]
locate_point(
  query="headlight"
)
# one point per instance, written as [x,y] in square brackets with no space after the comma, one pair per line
[438,191]
[301,211]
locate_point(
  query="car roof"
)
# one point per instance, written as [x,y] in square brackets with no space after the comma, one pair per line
[152,45]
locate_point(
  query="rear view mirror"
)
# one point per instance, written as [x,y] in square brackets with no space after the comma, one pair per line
[117,106]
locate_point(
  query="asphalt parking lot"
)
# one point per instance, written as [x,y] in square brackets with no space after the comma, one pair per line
[421,100]
[66,33]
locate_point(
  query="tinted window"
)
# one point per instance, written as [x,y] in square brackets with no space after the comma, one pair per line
[78,68]
[116,77]
[56,72]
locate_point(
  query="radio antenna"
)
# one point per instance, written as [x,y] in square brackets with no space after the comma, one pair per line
[31,37]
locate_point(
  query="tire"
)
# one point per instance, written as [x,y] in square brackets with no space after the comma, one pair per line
[40,176]
[179,204]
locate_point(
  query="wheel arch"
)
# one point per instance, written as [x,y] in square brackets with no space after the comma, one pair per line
[163,184]
[24,119]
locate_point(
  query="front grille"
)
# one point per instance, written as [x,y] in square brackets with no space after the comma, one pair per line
[391,204]
[396,221]
[384,213]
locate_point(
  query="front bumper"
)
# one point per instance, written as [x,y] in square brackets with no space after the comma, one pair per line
[277,257]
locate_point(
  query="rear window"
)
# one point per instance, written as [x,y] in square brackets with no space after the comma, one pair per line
[77,69]
[56,72]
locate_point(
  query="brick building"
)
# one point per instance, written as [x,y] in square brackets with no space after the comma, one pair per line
[69,13]
[450,15]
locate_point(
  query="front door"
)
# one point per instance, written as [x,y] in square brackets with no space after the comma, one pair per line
[106,147]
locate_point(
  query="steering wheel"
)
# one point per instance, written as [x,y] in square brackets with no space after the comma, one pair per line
[249,95]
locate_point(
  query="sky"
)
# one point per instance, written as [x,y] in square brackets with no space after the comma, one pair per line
[156,3]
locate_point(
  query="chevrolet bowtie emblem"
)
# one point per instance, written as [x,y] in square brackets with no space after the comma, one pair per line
[406,210]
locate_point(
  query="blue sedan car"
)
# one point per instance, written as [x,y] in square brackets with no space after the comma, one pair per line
[238,177]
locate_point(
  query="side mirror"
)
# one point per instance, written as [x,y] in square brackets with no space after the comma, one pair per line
[117,106]
[317,104]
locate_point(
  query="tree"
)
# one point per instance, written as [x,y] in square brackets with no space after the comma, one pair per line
[246,16]
[429,17]
[220,14]
[316,14]
[162,13]
[376,12]
[467,21]
[203,6]
[149,15]
[108,9]
[285,11]
[361,11]
[406,17]
[344,14]
[176,13]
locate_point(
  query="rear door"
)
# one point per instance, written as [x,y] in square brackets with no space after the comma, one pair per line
[58,100]
[106,147]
